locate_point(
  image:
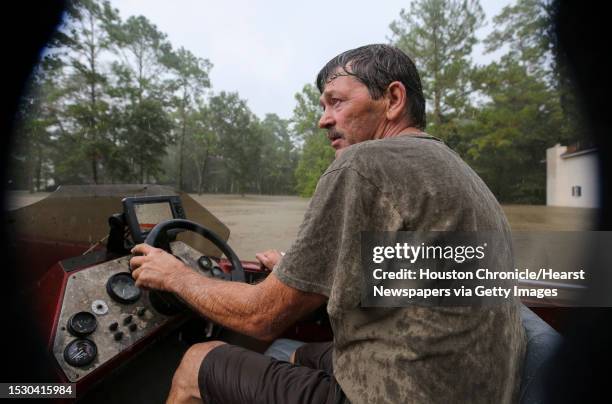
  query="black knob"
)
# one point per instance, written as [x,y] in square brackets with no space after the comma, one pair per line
[113,326]
[141,311]
[205,263]
[218,273]
[127,319]
[133,327]
[118,335]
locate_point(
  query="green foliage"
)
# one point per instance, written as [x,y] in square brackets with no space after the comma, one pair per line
[112,101]
[188,85]
[31,154]
[278,157]
[524,27]
[506,140]
[501,117]
[142,123]
[439,36]
[239,138]
[85,39]
[201,144]
[307,113]
[316,154]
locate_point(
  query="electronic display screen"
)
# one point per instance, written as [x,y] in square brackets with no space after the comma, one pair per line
[150,214]
[143,213]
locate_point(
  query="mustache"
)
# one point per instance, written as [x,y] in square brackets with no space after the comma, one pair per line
[333,134]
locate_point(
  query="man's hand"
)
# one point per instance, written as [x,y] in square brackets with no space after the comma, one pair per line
[154,268]
[263,310]
[269,258]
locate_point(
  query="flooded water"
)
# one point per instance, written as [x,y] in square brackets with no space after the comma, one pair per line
[539,217]
[260,222]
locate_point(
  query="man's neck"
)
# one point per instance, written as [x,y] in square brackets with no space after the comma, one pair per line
[400,131]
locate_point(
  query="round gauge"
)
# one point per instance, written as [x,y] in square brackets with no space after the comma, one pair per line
[82,323]
[122,288]
[80,352]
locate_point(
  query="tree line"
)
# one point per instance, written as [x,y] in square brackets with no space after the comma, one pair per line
[500,117]
[113,102]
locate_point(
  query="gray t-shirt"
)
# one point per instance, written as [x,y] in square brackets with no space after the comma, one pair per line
[411,354]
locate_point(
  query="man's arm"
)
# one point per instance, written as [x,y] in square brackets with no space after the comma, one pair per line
[263,310]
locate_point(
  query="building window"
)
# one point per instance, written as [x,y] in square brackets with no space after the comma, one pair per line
[577,191]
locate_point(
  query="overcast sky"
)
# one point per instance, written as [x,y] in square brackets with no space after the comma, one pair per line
[266,50]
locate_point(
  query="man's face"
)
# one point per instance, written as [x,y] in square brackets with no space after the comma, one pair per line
[350,115]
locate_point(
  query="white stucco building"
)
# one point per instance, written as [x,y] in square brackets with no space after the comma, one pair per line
[572,177]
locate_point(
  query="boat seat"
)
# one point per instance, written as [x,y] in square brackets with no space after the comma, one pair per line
[542,343]
[282,348]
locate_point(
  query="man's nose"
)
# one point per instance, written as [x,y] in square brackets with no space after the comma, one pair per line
[326,120]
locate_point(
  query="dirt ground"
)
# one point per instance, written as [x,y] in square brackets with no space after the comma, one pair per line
[259,222]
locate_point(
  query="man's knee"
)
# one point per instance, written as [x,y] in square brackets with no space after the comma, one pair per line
[185,378]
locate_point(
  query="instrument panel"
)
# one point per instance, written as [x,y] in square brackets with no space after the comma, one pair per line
[103,313]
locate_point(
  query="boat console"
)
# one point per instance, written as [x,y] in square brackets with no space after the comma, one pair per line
[77,246]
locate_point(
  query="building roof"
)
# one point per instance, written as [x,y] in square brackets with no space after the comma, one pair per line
[575,153]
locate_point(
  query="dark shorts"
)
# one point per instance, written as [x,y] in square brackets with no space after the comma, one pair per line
[231,374]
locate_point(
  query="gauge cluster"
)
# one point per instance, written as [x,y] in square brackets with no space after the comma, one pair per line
[104,313]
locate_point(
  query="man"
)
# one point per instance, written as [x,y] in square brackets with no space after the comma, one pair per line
[388,176]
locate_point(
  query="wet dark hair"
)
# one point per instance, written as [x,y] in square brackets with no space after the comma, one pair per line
[377,66]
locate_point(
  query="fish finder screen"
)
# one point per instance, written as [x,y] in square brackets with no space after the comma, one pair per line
[149,214]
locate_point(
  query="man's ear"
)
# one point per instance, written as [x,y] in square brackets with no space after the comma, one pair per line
[397,100]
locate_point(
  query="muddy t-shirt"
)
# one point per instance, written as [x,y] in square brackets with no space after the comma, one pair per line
[409,354]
